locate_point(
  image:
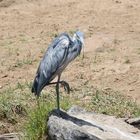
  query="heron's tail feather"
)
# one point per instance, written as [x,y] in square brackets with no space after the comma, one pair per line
[39,83]
[32,90]
[35,87]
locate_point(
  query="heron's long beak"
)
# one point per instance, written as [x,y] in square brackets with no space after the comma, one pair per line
[83,52]
[83,45]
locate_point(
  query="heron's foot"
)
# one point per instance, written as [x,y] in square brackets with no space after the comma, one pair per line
[58,112]
[66,86]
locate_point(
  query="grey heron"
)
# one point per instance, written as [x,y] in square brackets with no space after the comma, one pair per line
[59,54]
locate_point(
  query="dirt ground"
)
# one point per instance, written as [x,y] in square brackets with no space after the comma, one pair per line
[112,41]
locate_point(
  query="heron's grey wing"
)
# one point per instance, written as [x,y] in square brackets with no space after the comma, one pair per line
[55,55]
[53,59]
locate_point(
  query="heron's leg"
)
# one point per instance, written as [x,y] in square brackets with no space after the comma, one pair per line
[57,92]
[64,83]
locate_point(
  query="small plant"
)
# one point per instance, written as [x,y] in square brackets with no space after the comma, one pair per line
[10,110]
[28,61]
[71,32]
[36,124]
[55,34]
[19,63]
[127,61]
[23,38]
[42,51]
[13,104]
[25,61]
[66,103]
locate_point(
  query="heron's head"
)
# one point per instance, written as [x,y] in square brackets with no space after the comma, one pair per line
[79,36]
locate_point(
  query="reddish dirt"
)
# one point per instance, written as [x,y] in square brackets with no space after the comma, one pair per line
[112,41]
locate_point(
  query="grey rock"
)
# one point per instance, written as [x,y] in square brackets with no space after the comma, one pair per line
[77,124]
[61,126]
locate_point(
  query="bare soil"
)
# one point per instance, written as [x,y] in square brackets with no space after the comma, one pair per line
[112,41]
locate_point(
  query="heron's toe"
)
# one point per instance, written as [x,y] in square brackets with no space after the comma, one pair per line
[66,86]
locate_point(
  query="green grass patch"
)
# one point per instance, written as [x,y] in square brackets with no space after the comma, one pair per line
[14,102]
[25,61]
[35,127]
[113,103]
[28,115]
